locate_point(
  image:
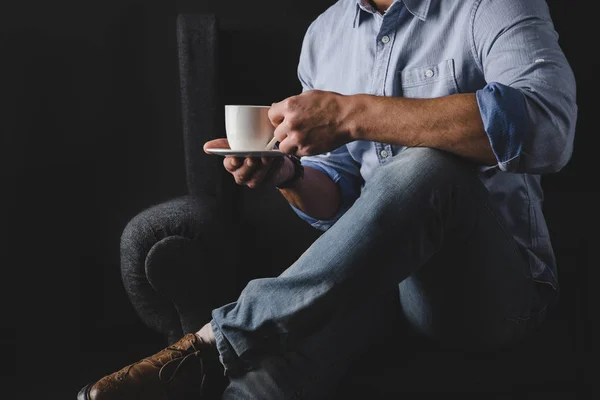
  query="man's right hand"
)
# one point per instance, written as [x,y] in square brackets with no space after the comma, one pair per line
[254,171]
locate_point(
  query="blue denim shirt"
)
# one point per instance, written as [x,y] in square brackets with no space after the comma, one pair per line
[505,51]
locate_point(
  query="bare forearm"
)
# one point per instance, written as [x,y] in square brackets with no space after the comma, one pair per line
[451,123]
[316,194]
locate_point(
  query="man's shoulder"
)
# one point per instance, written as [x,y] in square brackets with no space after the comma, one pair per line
[332,15]
[503,8]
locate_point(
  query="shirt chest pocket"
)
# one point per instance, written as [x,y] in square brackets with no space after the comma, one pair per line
[428,81]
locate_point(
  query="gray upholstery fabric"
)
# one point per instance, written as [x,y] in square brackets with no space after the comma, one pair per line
[201,106]
[172,253]
[173,264]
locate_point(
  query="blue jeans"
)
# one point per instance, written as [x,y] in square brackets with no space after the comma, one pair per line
[424,223]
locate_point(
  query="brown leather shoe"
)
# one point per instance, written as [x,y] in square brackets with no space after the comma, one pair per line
[177,372]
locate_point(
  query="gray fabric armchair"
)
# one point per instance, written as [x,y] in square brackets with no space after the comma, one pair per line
[182,258]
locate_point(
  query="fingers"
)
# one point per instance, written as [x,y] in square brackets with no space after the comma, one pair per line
[287,131]
[248,171]
[231,163]
[276,113]
[288,147]
[281,132]
[216,144]
[288,141]
[287,138]
[264,165]
[281,110]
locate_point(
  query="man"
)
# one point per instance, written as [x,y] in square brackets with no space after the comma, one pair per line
[423,127]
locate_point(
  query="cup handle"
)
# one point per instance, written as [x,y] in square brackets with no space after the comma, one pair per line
[271,143]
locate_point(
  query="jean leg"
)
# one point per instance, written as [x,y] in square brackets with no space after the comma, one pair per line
[402,219]
[313,370]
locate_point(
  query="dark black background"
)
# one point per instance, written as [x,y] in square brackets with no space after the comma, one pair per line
[91,135]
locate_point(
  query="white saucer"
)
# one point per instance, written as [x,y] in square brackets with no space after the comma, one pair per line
[246,153]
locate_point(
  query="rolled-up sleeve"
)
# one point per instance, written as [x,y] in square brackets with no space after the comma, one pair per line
[529,105]
[344,172]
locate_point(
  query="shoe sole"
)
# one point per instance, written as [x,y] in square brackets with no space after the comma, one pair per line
[84,393]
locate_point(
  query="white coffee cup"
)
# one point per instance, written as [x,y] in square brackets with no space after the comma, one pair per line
[248,127]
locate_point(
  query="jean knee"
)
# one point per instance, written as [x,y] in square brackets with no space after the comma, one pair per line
[414,167]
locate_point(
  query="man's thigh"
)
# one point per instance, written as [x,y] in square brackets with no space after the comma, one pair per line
[477,291]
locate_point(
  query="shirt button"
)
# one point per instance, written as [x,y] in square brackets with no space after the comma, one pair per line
[384,153]
[429,73]
[385,39]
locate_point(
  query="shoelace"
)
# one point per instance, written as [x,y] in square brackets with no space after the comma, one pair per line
[122,373]
[180,362]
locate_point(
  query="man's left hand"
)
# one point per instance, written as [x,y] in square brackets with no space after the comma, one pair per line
[313,122]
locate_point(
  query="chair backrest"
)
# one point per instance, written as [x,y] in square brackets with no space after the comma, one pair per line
[272,235]
[197,48]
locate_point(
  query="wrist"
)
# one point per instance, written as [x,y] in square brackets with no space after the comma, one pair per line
[285,171]
[292,172]
[356,115]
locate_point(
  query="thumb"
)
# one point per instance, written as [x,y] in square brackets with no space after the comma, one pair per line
[216,144]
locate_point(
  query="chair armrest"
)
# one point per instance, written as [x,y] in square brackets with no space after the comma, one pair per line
[188,253]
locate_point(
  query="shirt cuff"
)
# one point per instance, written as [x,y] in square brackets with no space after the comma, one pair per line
[349,194]
[505,119]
